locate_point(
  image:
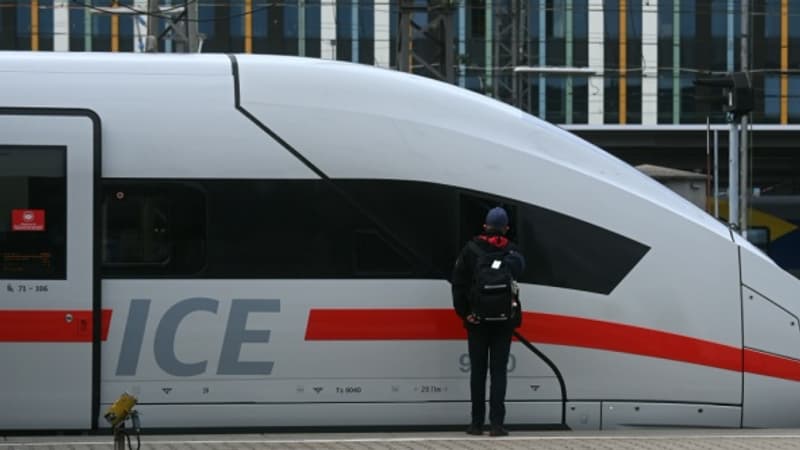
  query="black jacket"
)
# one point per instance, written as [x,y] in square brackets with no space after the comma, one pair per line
[465,266]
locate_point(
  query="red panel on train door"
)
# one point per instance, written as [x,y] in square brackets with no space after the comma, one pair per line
[27,220]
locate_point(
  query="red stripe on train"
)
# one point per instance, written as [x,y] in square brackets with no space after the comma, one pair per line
[761,363]
[50,325]
[442,324]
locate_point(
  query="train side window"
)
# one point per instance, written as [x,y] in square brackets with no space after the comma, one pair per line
[33,202]
[136,228]
[293,229]
[152,229]
[421,217]
[375,256]
[473,209]
[566,252]
[560,250]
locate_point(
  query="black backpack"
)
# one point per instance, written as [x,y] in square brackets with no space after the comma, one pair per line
[492,297]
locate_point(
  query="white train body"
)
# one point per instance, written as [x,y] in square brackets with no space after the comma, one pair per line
[654,313]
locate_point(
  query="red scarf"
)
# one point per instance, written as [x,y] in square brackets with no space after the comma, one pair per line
[495,240]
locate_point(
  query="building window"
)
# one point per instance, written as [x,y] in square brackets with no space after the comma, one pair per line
[665,62]
[772,98]
[634,62]
[313,28]
[794,98]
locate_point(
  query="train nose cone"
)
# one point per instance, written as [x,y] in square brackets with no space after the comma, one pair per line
[771,340]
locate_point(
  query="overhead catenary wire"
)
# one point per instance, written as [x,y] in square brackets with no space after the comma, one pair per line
[391,5]
[163,14]
[633,23]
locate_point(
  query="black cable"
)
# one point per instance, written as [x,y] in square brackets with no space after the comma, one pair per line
[555,370]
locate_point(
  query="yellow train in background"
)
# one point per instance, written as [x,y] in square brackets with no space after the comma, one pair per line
[774,226]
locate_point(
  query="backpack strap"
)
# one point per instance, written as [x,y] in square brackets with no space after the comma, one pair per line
[476,248]
[480,252]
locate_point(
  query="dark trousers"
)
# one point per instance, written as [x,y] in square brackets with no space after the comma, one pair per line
[489,345]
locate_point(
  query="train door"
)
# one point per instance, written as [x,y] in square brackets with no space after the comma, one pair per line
[49,287]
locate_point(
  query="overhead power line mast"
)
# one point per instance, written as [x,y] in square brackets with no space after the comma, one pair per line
[181,23]
[744,152]
[511,50]
[438,59]
[737,101]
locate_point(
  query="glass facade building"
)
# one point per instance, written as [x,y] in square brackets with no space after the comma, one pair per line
[643,54]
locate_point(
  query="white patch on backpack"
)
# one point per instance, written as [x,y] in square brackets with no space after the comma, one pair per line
[496,264]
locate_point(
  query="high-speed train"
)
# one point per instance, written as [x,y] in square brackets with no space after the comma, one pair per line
[262,241]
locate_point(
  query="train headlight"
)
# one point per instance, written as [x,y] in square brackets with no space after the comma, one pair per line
[120,409]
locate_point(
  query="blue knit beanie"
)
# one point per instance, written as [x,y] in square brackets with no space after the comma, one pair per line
[497,218]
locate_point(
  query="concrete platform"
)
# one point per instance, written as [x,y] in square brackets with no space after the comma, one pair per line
[612,440]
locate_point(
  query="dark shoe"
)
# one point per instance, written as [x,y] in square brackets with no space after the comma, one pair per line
[475,430]
[498,430]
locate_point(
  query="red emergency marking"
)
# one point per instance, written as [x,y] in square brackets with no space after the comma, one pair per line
[443,324]
[27,220]
[50,325]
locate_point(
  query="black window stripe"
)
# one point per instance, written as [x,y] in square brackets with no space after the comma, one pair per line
[250,229]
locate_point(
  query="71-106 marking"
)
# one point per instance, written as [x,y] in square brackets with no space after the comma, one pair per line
[24,288]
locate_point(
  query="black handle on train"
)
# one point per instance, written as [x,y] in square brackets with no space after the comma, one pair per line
[555,370]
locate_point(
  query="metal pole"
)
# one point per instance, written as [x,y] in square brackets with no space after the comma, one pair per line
[192,36]
[743,154]
[623,62]
[515,47]
[354,34]
[167,41]
[151,42]
[405,37]
[140,26]
[542,58]
[87,27]
[716,173]
[61,34]
[708,162]
[569,43]
[733,175]
[745,186]
[729,39]
[301,27]
[676,62]
[490,87]
[34,25]
[447,29]
[248,26]
[496,37]
[327,12]
[462,42]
